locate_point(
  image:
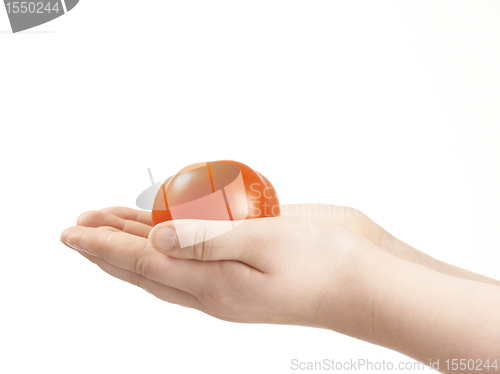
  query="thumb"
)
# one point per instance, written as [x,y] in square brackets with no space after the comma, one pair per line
[204,240]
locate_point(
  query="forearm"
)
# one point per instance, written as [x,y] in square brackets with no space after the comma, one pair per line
[363,225]
[407,252]
[429,316]
[419,312]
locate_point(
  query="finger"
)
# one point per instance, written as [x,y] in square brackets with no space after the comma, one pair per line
[213,240]
[142,216]
[134,254]
[161,291]
[97,218]
[109,228]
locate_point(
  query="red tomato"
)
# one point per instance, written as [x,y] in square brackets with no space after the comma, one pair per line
[219,190]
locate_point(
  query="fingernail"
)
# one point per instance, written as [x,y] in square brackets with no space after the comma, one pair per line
[70,244]
[163,238]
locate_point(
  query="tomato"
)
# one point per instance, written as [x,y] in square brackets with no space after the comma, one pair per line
[219,190]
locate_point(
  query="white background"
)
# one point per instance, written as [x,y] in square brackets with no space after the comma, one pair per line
[388,106]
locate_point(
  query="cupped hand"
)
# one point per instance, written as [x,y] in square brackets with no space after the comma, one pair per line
[269,270]
[321,270]
[138,222]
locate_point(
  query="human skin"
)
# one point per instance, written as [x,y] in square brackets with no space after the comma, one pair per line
[341,272]
[363,225]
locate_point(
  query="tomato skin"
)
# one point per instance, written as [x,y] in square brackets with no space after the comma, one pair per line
[218,190]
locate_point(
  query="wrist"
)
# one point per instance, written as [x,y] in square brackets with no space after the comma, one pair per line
[348,307]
